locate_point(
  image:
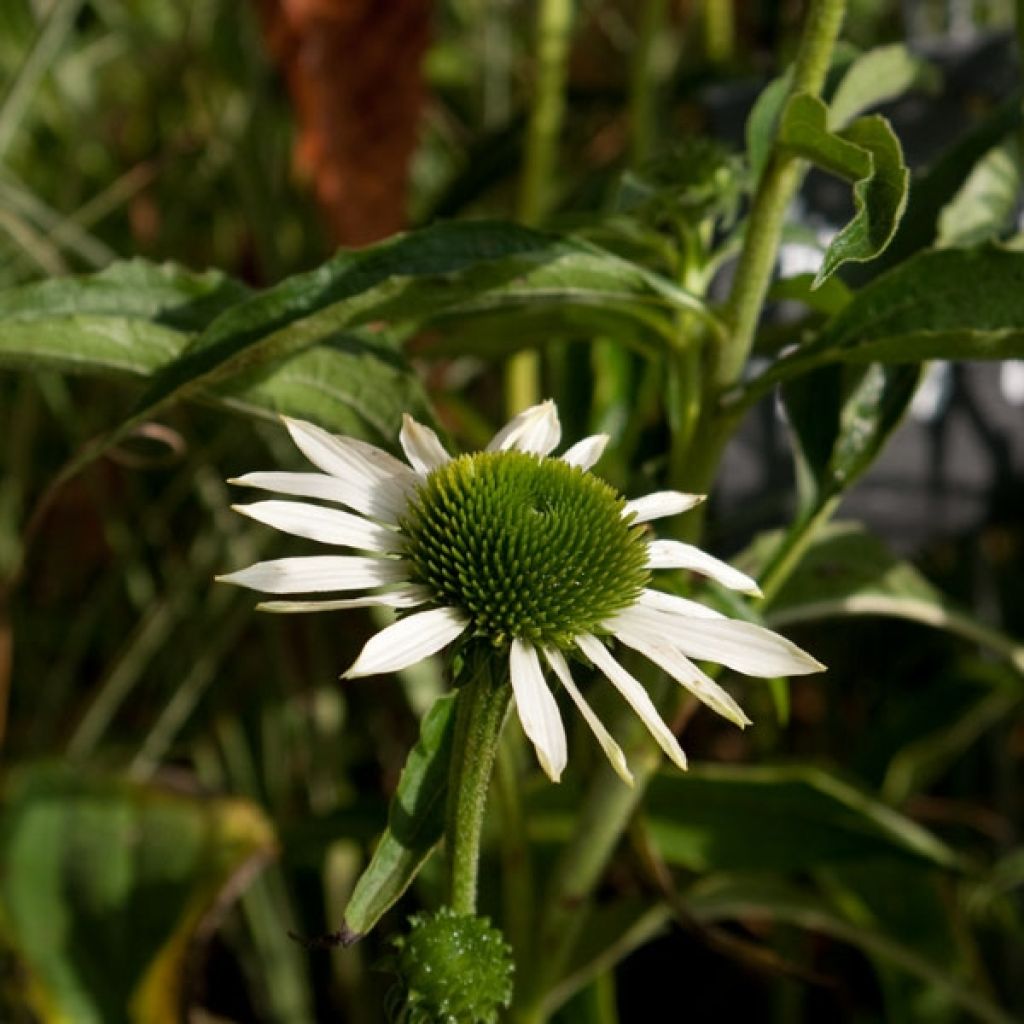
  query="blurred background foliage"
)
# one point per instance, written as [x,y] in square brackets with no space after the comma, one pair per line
[856,856]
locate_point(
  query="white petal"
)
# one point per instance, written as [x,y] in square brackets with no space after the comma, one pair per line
[400,597]
[675,605]
[739,645]
[612,750]
[326,525]
[635,694]
[661,504]
[674,554]
[536,430]
[355,461]
[335,455]
[421,445]
[585,453]
[386,504]
[538,711]
[318,574]
[680,668]
[408,641]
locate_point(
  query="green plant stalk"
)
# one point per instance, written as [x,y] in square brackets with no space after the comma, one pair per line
[547,112]
[645,77]
[774,191]
[479,715]
[719,31]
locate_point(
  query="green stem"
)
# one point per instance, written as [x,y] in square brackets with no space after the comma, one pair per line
[480,713]
[547,112]
[645,77]
[774,192]
[719,31]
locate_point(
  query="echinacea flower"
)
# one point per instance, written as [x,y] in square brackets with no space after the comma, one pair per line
[529,553]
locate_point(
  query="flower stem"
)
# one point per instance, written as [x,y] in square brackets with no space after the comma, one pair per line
[774,192]
[479,715]
[547,111]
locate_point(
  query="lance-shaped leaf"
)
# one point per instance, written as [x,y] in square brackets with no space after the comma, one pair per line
[848,571]
[841,418]
[133,319]
[868,155]
[984,206]
[720,898]
[106,886]
[415,824]
[876,77]
[413,278]
[801,816]
[939,304]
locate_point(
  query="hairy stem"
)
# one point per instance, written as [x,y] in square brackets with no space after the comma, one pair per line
[480,713]
[774,192]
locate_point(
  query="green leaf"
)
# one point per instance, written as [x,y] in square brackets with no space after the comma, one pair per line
[165,294]
[724,898]
[876,77]
[479,267]
[985,205]
[762,122]
[939,304]
[415,824]
[777,817]
[848,571]
[867,154]
[105,886]
[841,418]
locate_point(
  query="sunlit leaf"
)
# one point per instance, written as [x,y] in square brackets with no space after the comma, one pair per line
[985,204]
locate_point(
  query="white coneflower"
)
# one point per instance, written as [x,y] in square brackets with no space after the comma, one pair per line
[531,554]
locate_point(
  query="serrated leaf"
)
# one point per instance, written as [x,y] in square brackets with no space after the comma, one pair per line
[415,824]
[105,885]
[985,205]
[777,817]
[876,77]
[868,154]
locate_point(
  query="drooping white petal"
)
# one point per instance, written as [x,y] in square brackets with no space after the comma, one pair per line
[400,597]
[612,750]
[674,554]
[535,430]
[658,600]
[537,709]
[326,525]
[408,641]
[336,455]
[422,446]
[742,646]
[661,504]
[385,504]
[680,668]
[585,453]
[354,461]
[318,574]
[634,694]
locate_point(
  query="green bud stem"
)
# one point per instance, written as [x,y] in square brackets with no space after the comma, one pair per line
[479,715]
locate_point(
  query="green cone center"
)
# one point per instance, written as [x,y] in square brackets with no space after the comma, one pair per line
[527,547]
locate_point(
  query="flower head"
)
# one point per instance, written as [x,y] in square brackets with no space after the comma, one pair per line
[530,554]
